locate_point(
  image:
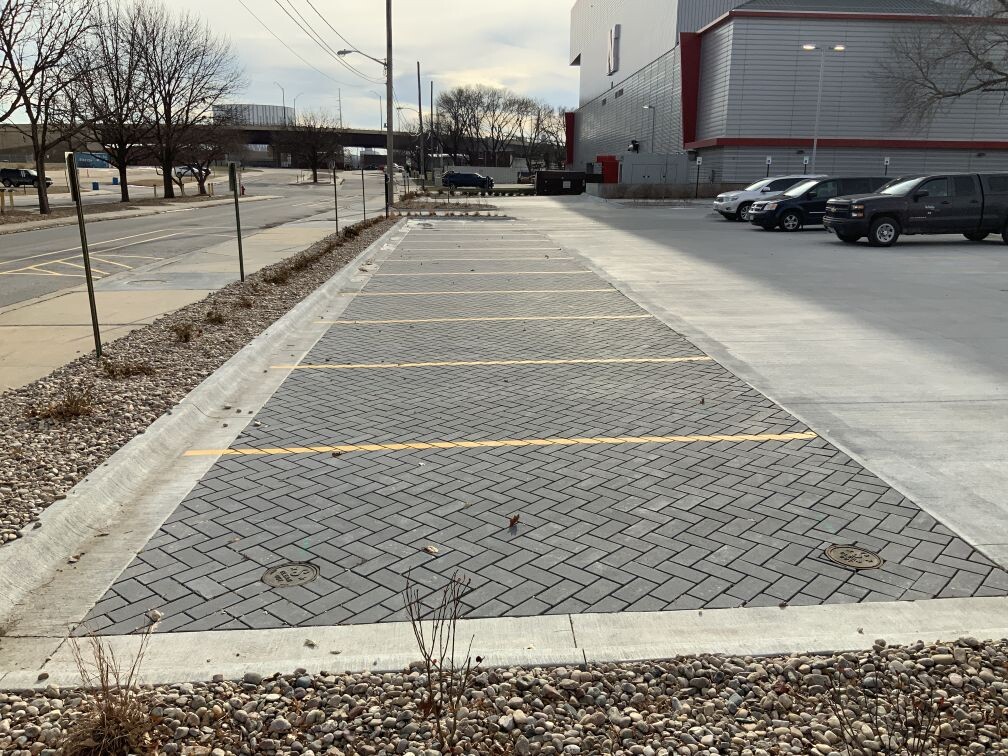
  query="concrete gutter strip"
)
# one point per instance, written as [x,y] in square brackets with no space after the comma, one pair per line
[546,640]
[109,516]
[14,228]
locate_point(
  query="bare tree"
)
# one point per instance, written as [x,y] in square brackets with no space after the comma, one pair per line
[315,140]
[209,144]
[500,113]
[530,133]
[187,71]
[965,53]
[452,122]
[36,41]
[111,74]
[555,138]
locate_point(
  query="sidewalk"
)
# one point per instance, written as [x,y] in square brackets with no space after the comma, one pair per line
[481,401]
[40,335]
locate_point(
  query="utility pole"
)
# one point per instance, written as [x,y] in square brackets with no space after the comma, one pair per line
[339,100]
[389,138]
[419,97]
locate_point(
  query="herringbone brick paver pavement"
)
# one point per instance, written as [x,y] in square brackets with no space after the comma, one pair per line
[603,527]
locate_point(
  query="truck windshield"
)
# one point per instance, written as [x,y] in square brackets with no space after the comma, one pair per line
[799,189]
[900,188]
[757,186]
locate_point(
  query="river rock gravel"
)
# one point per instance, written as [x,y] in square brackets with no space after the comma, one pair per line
[43,457]
[707,704]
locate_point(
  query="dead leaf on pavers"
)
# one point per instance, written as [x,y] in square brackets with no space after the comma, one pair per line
[514,520]
[431,549]
[309,643]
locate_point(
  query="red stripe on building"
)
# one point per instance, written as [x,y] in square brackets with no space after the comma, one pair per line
[689,73]
[569,135]
[806,142]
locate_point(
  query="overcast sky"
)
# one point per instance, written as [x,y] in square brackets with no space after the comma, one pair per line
[520,44]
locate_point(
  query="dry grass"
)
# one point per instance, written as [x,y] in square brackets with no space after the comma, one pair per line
[279,273]
[77,401]
[119,369]
[184,332]
[246,302]
[115,716]
[215,316]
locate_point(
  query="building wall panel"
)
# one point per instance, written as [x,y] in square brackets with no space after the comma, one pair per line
[715,82]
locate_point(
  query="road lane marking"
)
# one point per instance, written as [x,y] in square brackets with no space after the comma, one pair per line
[480,363]
[90,245]
[488,291]
[490,444]
[486,320]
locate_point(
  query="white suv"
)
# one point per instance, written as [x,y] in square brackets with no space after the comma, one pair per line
[735,205]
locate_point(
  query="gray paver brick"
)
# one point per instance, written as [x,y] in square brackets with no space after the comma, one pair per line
[634,527]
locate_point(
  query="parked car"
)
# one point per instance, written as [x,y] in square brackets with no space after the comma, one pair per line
[20,177]
[804,204]
[735,205]
[460,178]
[972,204]
[182,171]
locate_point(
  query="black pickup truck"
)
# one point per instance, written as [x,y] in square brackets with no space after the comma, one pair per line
[972,204]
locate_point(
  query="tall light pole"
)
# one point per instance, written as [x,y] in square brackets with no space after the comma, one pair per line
[810,47]
[381,109]
[283,100]
[652,109]
[389,139]
[295,106]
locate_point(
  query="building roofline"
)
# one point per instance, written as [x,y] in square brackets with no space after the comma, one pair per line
[841,16]
[859,142]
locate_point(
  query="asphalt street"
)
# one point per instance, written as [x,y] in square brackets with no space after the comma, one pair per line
[34,263]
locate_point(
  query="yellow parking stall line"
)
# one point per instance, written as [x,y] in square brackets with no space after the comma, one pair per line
[470,259]
[482,363]
[496,273]
[514,442]
[486,320]
[485,291]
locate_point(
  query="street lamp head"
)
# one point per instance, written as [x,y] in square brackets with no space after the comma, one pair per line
[808,46]
[344,52]
[839,48]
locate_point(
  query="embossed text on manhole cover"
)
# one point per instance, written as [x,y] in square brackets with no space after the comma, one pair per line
[855,557]
[292,573]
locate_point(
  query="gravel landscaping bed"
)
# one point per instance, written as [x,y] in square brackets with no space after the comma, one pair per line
[59,428]
[820,705]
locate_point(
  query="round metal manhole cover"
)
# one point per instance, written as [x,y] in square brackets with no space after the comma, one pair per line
[854,557]
[290,574]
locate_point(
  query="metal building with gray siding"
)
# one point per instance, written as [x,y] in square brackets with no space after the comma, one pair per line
[729,80]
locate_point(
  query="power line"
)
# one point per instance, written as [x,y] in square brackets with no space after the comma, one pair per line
[305,27]
[291,49]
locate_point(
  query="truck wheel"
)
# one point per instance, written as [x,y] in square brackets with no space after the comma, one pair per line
[1004,232]
[884,232]
[976,236]
[742,211]
[790,221]
[848,238]
[6,182]
[35,184]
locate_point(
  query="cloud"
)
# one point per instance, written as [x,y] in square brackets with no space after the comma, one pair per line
[520,44]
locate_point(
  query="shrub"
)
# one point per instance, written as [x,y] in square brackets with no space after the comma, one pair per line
[184,331]
[215,316]
[119,369]
[77,401]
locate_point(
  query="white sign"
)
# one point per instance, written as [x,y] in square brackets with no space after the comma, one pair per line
[805,160]
[769,160]
[885,161]
[699,160]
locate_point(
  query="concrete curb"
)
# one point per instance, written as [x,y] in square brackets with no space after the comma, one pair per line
[547,640]
[16,228]
[111,514]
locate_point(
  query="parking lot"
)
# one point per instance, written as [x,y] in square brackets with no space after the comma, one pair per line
[898,355]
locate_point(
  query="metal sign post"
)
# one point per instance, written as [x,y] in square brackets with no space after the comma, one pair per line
[769,161]
[805,165]
[363,193]
[388,188]
[335,196]
[696,190]
[233,185]
[885,162]
[75,194]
